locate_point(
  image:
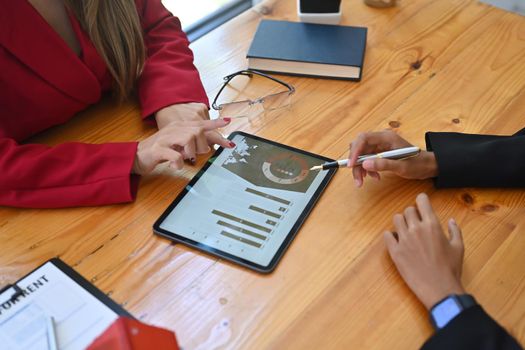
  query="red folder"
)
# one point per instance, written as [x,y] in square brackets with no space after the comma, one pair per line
[129,334]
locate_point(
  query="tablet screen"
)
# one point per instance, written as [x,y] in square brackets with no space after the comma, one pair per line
[247,203]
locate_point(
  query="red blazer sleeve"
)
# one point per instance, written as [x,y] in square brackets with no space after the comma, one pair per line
[71,174]
[169,75]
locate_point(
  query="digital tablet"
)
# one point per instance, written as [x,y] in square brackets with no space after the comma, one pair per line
[247,203]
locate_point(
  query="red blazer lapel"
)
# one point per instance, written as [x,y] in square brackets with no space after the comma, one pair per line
[26,34]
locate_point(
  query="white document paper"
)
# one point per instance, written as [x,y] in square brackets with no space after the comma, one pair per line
[79,317]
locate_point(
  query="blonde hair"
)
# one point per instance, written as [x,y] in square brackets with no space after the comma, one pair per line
[114,28]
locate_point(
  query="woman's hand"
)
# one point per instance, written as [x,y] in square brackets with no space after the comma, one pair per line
[429,262]
[422,166]
[186,113]
[176,142]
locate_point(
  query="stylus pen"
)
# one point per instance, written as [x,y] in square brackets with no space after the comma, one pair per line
[51,334]
[400,153]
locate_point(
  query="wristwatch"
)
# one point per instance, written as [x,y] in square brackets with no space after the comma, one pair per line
[448,308]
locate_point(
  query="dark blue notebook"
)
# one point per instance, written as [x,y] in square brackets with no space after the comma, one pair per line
[306,49]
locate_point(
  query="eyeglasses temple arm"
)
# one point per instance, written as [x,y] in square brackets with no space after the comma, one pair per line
[227,80]
[249,73]
[290,87]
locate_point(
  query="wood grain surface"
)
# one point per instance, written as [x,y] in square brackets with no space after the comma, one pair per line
[431,65]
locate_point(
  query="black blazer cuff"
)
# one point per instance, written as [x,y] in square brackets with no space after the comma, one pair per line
[473,328]
[469,160]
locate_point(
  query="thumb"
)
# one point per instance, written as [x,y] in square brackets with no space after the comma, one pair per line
[381,164]
[456,238]
[391,243]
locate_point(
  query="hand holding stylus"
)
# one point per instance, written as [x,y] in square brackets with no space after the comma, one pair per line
[398,154]
[423,166]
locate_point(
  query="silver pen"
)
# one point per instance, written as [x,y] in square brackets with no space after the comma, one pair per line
[51,334]
[400,153]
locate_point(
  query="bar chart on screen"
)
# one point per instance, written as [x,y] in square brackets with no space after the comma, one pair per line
[250,217]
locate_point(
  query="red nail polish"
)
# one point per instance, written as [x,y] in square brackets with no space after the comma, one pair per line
[192,161]
[231,144]
[227,120]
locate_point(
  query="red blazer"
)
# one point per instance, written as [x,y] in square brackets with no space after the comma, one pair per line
[43,83]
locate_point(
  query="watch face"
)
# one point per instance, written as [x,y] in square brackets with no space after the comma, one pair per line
[445,311]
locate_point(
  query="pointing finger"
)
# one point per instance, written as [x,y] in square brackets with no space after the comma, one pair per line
[215,138]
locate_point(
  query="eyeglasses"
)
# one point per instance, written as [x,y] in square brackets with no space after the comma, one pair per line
[251,108]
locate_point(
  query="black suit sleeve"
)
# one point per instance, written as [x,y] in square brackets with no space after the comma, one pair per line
[466,160]
[472,329]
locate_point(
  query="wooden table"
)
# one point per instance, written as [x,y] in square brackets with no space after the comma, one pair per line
[444,65]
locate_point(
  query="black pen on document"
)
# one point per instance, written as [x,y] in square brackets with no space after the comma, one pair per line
[400,153]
